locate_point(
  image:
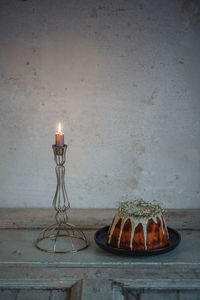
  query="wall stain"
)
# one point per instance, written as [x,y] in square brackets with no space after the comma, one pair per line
[138,148]
[192,9]
[140,5]
[93,14]
[107,179]
[120,9]
[141,149]
[185,6]
[13,78]
[101,7]
[150,100]
[180,61]
[136,144]
[134,183]
[190,5]
[12,148]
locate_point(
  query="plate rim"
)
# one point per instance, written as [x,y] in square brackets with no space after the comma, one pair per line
[125,252]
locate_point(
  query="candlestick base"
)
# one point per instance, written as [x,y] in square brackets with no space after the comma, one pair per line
[61,237]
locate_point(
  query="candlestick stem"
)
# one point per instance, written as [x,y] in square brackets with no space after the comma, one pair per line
[61,237]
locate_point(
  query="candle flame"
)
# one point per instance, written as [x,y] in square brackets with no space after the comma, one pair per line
[59,127]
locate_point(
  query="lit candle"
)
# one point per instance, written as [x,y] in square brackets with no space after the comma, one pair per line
[59,137]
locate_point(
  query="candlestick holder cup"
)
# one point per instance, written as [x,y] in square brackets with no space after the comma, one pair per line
[61,237]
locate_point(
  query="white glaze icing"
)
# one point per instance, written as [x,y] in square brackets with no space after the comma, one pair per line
[162,225]
[121,229]
[154,219]
[134,223]
[132,235]
[166,228]
[145,235]
[116,220]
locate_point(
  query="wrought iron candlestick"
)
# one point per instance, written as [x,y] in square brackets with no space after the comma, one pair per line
[61,237]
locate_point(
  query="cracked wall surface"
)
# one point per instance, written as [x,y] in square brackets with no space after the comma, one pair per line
[123,79]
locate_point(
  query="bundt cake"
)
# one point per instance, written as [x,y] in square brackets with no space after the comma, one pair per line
[138,225]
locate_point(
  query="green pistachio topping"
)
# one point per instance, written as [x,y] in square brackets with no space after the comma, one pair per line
[140,208]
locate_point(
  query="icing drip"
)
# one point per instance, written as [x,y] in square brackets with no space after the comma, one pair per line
[133,226]
[135,222]
[116,219]
[166,227]
[161,221]
[121,229]
[145,234]
[162,225]
[155,219]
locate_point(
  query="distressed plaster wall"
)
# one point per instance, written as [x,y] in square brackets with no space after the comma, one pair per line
[123,78]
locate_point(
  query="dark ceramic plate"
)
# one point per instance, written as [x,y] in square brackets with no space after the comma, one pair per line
[100,238]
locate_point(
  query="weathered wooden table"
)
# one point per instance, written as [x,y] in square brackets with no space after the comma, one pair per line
[27,273]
